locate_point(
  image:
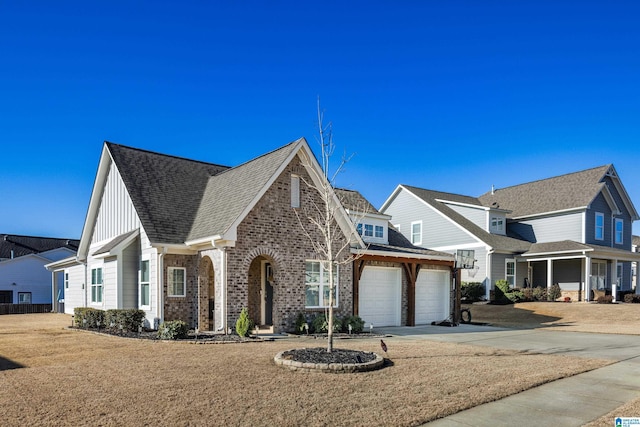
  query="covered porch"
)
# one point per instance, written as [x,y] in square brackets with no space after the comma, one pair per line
[582,271]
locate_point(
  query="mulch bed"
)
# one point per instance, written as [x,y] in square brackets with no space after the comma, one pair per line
[153,335]
[320,355]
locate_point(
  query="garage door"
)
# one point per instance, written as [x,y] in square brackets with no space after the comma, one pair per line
[380,296]
[432,296]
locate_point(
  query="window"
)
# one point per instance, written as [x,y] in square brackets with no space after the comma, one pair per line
[176,281]
[379,231]
[24,297]
[359,228]
[66,280]
[96,285]
[619,231]
[368,230]
[599,226]
[497,224]
[416,233]
[317,285]
[295,191]
[510,272]
[145,301]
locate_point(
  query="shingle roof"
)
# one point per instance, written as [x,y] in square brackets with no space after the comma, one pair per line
[398,243]
[115,242]
[572,246]
[559,193]
[165,190]
[228,194]
[25,245]
[496,241]
[354,201]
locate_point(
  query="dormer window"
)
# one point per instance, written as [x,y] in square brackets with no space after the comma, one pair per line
[379,232]
[497,224]
[368,230]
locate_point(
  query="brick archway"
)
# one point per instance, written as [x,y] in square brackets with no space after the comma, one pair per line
[262,266]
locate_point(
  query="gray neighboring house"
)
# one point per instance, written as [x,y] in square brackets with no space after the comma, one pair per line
[573,229]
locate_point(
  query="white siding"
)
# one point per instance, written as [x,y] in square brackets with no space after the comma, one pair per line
[477,216]
[130,262]
[117,214]
[74,295]
[110,284]
[29,275]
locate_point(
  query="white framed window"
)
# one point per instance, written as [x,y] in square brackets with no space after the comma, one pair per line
[599,231]
[145,300]
[497,224]
[295,191]
[416,232]
[379,233]
[619,231]
[176,281]
[359,228]
[66,280]
[96,285]
[368,230]
[317,285]
[24,297]
[510,272]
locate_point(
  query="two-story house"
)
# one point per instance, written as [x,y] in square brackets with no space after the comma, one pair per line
[573,229]
[188,240]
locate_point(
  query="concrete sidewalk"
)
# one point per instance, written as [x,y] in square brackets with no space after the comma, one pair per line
[572,401]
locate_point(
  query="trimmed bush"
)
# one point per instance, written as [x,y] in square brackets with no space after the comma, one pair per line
[124,319]
[472,291]
[320,324]
[301,320]
[539,294]
[357,324]
[173,330]
[243,324]
[554,292]
[502,289]
[605,299]
[87,317]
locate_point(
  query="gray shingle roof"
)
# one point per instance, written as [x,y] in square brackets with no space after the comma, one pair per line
[572,246]
[354,201]
[165,190]
[25,245]
[399,244]
[114,242]
[228,194]
[559,193]
[496,241]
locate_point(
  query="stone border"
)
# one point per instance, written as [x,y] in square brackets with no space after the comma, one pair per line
[336,368]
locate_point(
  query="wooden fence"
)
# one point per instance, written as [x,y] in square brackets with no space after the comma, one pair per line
[24,308]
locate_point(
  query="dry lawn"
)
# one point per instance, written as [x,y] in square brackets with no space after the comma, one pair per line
[50,375]
[574,316]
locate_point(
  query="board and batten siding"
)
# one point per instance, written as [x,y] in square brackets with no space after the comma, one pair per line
[74,295]
[436,230]
[477,216]
[130,265]
[552,228]
[117,214]
[110,284]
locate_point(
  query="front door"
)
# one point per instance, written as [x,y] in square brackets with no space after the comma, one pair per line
[267,292]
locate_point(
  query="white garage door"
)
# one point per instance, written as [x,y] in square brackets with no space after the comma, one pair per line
[380,296]
[432,296]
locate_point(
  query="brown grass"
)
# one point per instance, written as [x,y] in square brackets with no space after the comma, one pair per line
[70,377]
[574,316]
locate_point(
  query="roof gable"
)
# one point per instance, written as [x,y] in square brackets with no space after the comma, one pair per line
[13,246]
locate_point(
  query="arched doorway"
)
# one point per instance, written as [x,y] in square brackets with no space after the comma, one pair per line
[206,295]
[261,291]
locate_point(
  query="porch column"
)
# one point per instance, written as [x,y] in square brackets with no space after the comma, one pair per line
[358,268]
[549,274]
[614,279]
[54,292]
[411,270]
[587,279]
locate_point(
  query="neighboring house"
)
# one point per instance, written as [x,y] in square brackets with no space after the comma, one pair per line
[635,247]
[23,278]
[574,230]
[194,241]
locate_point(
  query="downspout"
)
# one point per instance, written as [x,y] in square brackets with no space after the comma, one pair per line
[160,281]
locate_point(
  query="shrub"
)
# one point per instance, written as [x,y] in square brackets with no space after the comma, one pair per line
[527,294]
[472,291]
[124,319]
[91,315]
[632,298]
[501,291]
[320,324]
[301,320]
[357,324]
[554,292]
[539,294]
[605,299]
[243,324]
[172,330]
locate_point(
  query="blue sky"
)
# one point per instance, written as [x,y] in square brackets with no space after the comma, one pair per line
[449,95]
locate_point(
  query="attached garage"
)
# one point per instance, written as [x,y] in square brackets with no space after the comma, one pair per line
[432,296]
[380,296]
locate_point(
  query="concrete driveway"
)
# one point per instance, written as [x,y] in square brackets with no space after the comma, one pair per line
[572,401]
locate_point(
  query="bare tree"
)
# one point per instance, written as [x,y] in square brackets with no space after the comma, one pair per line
[322,218]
